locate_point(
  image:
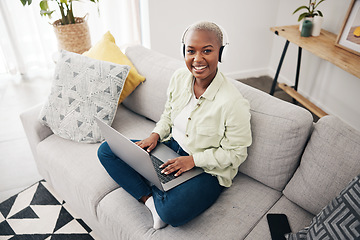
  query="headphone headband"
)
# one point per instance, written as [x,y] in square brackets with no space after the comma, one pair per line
[224,43]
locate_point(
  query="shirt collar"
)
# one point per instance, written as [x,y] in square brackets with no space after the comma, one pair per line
[212,89]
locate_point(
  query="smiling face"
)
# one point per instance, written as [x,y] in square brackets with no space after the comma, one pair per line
[202,54]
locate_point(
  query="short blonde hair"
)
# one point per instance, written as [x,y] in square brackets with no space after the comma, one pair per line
[205,26]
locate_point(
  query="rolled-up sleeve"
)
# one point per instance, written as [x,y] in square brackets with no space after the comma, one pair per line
[163,126]
[224,161]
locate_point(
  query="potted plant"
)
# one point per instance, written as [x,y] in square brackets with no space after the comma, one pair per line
[72,32]
[313,14]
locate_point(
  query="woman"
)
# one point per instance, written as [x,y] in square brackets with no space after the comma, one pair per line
[206,120]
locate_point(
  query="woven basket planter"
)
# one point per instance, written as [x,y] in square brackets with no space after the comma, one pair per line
[73,37]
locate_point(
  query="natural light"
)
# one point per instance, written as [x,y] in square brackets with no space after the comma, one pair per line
[28,43]
[3,68]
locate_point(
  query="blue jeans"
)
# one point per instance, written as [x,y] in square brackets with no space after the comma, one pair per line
[177,206]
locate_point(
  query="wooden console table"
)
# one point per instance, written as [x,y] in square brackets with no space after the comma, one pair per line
[322,46]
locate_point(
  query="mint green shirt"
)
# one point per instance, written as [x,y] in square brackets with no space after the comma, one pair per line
[218,129]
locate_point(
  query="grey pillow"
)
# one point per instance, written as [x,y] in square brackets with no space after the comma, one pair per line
[82,88]
[338,220]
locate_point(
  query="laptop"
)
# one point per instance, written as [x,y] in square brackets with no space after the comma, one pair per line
[146,164]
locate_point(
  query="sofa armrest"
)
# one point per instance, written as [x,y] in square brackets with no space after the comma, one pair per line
[34,130]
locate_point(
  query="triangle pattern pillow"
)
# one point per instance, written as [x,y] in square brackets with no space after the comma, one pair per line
[82,88]
[340,219]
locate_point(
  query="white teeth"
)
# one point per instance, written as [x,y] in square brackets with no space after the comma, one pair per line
[200,68]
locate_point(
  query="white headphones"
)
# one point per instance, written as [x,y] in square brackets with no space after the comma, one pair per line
[222,48]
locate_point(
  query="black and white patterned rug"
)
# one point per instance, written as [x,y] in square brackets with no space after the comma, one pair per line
[38,213]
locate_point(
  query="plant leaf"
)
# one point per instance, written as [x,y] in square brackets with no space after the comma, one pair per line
[320,13]
[303,15]
[46,13]
[24,2]
[302,7]
[44,6]
[318,4]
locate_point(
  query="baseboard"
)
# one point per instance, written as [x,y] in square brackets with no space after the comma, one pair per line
[249,73]
[253,73]
[281,78]
[291,82]
[258,72]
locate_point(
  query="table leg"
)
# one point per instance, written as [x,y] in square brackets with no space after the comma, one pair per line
[297,72]
[279,68]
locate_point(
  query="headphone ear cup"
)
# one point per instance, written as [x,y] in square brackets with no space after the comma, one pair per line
[183,50]
[221,53]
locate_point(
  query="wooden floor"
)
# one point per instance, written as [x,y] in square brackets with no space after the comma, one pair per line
[17,166]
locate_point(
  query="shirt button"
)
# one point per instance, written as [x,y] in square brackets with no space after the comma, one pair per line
[187,135]
[189,118]
[198,104]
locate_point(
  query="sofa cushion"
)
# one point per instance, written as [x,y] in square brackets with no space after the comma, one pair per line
[280,131]
[149,98]
[107,50]
[297,217]
[74,170]
[233,215]
[82,88]
[340,219]
[331,159]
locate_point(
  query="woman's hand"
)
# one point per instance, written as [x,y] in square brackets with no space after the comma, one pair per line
[149,143]
[179,164]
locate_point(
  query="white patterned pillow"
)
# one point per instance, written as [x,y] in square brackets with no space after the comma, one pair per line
[82,88]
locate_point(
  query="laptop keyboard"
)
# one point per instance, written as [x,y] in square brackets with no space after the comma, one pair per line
[163,177]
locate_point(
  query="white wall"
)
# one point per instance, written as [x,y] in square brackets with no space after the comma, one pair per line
[254,50]
[246,23]
[329,87]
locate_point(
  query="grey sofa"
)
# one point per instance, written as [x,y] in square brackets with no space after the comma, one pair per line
[293,166]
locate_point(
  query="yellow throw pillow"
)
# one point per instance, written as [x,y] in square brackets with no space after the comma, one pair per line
[107,50]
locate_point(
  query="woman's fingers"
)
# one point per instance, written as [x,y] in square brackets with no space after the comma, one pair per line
[179,172]
[150,145]
[180,164]
[170,161]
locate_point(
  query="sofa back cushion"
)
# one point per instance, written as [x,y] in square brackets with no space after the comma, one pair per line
[331,159]
[150,97]
[280,131]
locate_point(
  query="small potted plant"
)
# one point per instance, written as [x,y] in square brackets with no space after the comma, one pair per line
[313,14]
[72,32]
